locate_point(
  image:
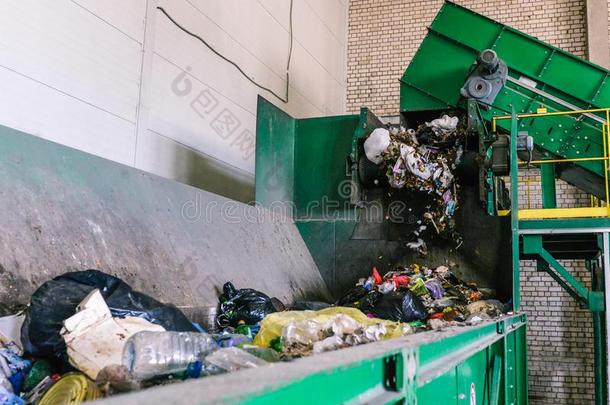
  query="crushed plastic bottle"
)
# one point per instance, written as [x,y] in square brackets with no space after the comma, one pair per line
[150,354]
[303,332]
[244,329]
[268,354]
[232,339]
[330,343]
[233,359]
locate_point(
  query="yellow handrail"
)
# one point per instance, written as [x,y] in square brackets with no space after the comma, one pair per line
[567,212]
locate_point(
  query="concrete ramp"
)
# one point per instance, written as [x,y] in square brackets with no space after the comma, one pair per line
[64,210]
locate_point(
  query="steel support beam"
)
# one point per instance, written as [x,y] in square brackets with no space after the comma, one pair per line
[532,244]
[494,397]
[547,183]
[606,278]
[514,213]
[596,300]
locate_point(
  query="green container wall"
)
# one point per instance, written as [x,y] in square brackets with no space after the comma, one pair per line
[302,171]
[485,365]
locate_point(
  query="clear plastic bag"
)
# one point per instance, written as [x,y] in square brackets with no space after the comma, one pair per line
[273,324]
[328,344]
[304,332]
[150,354]
[342,324]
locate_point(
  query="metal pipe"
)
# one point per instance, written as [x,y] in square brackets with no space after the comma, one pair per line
[522,162]
[598,335]
[514,220]
[598,360]
[604,137]
[556,99]
[556,113]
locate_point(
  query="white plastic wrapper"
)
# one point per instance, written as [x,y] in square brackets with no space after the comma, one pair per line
[330,343]
[445,124]
[416,163]
[304,332]
[342,325]
[376,144]
[387,287]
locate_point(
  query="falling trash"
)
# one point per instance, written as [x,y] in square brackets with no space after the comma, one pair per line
[423,161]
[376,145]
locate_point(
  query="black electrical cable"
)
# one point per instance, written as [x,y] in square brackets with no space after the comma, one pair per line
[284,99]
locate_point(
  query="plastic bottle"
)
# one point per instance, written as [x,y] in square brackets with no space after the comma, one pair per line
[233,359]
[150,354]
[243,329]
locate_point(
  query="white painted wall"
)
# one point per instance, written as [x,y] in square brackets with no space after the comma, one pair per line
[117,79]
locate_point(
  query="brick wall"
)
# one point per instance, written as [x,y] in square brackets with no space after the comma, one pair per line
[383,35]
[560,333]
[560,338]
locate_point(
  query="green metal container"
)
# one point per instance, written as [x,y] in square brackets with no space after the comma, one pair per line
[309,170]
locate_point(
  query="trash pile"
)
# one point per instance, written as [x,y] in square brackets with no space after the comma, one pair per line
[422,161]
[86,334]
[423,298]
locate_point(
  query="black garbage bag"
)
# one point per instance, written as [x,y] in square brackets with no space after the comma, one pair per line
[400,306]
[246,304]
[309,306]
[56,300]
[369,301]
[354,295]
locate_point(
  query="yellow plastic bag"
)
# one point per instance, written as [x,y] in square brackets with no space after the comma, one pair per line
[272,325]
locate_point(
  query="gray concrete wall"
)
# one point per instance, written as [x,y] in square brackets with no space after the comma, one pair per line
[64,210]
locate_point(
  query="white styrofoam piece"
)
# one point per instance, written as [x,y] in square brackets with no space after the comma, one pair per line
[95,339]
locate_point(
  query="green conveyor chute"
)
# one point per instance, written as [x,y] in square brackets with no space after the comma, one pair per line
[539,76]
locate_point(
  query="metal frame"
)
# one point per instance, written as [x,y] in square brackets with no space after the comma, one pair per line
[594,300]
[548,186]
[541,77]
[606,267]
[551,221]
